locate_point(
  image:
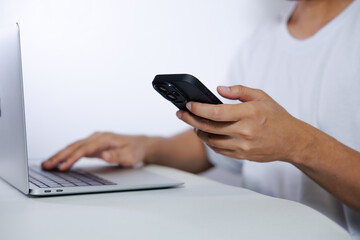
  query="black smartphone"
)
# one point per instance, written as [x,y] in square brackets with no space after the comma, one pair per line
[182,88]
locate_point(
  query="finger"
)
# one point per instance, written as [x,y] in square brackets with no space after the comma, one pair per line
[216,141]
[120,156]
[85,150]
[59,157]
[95,154]
[217,112]
[225,152]
[206,125]
[106,156]
[112,156]
[242,93]
[238,155]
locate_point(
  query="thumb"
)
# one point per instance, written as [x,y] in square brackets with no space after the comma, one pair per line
[110,156]
[242,93]
[118,156]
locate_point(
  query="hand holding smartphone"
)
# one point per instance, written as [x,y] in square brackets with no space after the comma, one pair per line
[182,88]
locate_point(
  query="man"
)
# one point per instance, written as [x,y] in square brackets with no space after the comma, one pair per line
[310,64]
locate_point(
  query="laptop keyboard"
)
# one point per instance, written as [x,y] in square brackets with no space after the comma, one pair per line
[73,178]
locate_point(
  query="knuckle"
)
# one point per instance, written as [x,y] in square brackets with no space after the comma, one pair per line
[246,147]
[248,132]
[261,92]
[252,110]
[237,89]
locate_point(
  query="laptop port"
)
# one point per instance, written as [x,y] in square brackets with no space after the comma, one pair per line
[47,191]
[59,190]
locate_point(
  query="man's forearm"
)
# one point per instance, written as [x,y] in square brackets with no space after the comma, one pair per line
[184,151]
[333,165]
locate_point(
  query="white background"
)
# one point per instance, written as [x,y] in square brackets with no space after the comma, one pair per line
[88,64]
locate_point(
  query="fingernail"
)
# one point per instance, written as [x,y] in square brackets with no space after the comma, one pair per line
[224,89]
[188,106]
[179,114]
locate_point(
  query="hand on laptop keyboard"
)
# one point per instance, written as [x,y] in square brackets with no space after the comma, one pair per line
[113,148]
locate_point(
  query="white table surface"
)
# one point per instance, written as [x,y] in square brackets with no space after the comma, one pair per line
[201,209]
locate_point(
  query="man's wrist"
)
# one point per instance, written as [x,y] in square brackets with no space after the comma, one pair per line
[306,145]
[152,149]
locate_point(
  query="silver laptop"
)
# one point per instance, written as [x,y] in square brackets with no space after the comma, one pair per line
[32,180]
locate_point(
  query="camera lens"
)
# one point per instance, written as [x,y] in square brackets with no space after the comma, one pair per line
[164,90]
[170,96]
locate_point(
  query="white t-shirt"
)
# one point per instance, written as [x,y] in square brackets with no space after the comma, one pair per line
[316,80]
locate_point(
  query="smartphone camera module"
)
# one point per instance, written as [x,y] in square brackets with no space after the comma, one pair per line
[182,88]
[170,96]
[170,92]
[162,89]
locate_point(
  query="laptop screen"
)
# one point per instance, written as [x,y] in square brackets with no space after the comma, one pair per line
[13,149]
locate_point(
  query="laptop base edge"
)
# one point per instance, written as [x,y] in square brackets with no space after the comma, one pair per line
[42,192]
